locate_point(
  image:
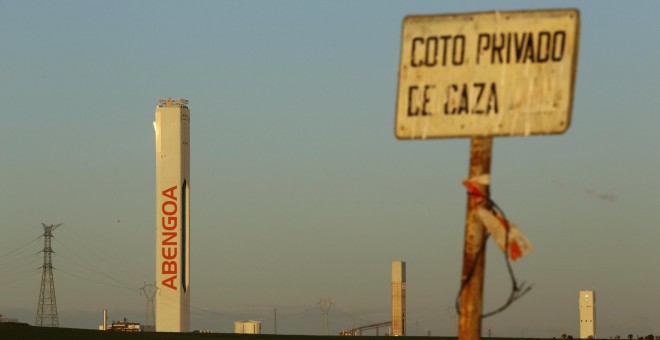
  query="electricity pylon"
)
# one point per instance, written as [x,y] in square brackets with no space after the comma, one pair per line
[324,305]
[47,308]
[149,293]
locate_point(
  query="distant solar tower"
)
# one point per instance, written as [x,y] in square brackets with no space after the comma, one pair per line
[587,303]
[398,298]
[172,127]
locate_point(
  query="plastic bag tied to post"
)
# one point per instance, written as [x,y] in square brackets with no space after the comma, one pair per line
[496,224]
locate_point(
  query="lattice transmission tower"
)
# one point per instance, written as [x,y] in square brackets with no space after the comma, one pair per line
[47,308]
[324,305]
[149,291]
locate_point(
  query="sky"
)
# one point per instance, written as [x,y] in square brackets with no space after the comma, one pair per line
[299,189]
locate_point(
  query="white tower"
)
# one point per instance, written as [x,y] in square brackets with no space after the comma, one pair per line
[587,303]
[172,126]
[398,298]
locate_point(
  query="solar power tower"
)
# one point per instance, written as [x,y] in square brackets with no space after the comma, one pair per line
[172,126]
[587,303]
[398,298]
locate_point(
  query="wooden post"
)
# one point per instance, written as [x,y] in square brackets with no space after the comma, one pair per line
[474,251]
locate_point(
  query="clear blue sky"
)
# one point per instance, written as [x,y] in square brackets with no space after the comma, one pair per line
[300,190]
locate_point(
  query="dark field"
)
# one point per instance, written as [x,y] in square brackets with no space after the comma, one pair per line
[22,331]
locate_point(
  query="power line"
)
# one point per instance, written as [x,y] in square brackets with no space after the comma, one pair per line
[8,240]
[96,253]
[89,266]
[19,248]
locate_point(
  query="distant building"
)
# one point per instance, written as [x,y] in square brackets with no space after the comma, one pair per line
[203,331]
[247,327]
[7,320]
[125,326]
[398,298]
[587,303]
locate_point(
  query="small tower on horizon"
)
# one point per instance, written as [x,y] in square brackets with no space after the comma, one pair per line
[398,298]
[587,303]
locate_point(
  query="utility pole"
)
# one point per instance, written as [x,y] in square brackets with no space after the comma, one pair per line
[474,249]
[149,291]
[47,307]
[275,322]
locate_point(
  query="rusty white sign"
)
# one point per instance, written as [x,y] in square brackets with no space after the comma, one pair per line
[487,74]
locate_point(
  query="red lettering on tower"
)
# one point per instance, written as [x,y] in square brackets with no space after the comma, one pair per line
[169,193]
[169,282]
[169,242]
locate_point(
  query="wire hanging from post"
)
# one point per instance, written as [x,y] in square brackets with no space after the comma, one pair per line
[517,290]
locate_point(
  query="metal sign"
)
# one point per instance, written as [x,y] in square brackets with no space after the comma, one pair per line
[487,74]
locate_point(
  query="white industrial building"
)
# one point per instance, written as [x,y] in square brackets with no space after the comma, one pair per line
[247,327]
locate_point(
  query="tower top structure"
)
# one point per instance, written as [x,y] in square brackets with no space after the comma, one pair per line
[173,102]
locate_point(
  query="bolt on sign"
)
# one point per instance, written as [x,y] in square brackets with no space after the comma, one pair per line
[487,74]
